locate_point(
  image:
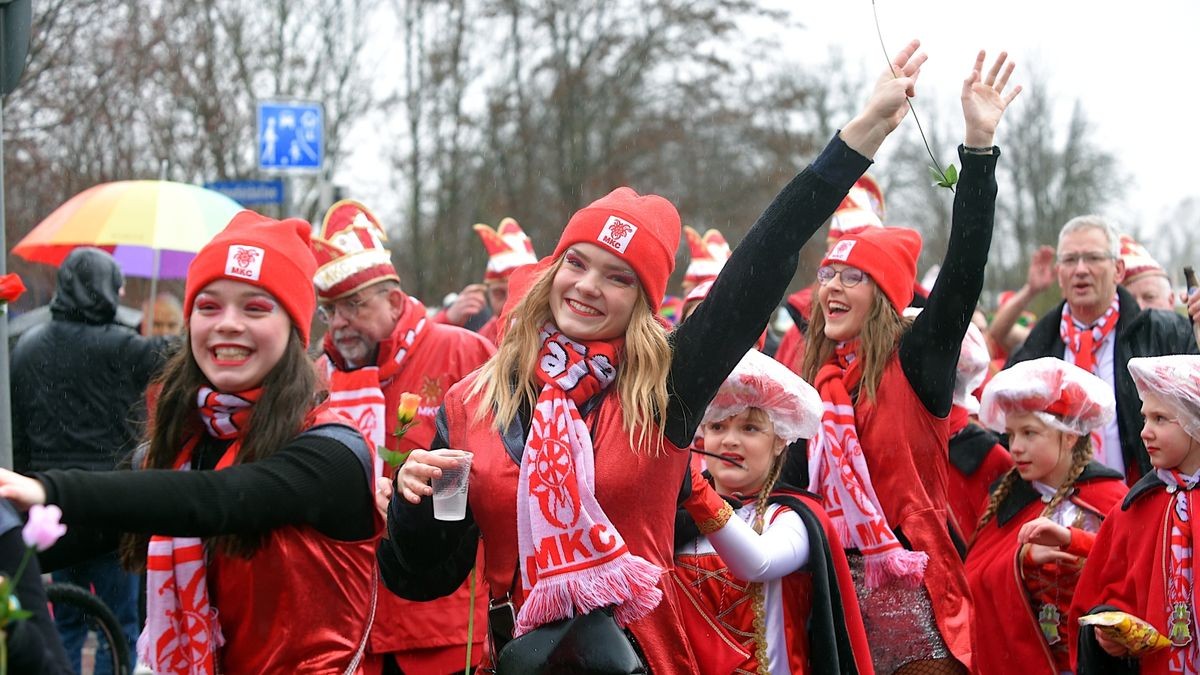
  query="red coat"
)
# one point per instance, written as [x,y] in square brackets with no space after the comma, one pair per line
[1003,608]
[905,449]
[440,356]
[1127,568]
[976,460]
[299,604]
[821,617]
[637,490]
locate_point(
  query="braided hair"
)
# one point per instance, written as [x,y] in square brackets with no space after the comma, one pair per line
[1081,455]
[758,591]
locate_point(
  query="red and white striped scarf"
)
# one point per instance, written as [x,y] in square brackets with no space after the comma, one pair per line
[1181,574]
[838,469]
[358,394]
[573,559]
[1084,341]
[182,634]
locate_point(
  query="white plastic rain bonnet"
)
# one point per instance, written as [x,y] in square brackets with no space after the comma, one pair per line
[1062,395]
[1176,381]
[759,381]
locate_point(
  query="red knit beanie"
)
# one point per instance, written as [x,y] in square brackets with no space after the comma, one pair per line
[641,230]
[271,254]
[888,254]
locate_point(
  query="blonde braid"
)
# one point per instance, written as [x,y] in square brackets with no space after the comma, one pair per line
[1081,454]
[995,499]
[758,592]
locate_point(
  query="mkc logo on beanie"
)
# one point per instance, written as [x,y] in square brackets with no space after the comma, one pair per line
[617,233]
[244,262]
[841,250]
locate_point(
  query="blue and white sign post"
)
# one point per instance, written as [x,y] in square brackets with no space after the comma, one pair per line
[291,136]
[291,139]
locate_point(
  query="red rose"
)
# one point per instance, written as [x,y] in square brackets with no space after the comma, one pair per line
[11,287]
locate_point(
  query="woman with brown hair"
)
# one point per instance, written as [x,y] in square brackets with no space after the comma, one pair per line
[888,385]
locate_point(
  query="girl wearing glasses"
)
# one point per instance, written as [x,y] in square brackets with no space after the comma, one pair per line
[577,423]
[888,386]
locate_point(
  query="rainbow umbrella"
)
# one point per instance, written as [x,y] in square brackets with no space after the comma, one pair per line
[152,227]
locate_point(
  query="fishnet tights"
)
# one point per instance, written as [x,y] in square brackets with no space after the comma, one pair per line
[932,667]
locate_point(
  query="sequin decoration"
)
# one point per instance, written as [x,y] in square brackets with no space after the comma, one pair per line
[899,621]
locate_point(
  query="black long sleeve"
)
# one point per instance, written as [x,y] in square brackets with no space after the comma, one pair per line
[929,350]
[313,480]
[709,344]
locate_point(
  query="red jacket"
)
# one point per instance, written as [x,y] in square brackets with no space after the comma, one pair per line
[1002,604]
[440,356]
[1127,570]
[300,604]
[905,450]
[976,460]
[637,490]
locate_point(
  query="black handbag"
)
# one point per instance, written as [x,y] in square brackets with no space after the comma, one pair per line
[591,644]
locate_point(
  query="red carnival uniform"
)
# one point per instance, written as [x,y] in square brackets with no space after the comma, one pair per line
[638,490]
[1022,607]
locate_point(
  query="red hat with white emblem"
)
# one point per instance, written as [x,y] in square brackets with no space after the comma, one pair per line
[350,252]
[271,254]
[508,248]
[642,230]
[888,254]
[861,208]
[708,255]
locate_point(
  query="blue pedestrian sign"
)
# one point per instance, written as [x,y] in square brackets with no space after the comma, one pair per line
[291,136]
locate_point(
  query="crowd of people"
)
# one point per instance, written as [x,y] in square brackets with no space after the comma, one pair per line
[899,484]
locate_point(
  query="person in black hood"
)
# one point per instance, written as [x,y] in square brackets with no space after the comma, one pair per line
[78,384]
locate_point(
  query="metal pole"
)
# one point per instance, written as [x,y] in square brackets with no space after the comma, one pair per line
[6,446]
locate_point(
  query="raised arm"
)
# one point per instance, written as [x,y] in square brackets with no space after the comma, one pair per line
[929,350]
[727,323]
[1003,329]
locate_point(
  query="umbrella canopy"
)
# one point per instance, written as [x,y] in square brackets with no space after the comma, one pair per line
[133,220]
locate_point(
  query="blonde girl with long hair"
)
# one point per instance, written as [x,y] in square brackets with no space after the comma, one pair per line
[577,422]
[1042,517]
[888,384]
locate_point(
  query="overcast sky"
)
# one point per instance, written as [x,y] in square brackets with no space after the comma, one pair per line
[1133,65]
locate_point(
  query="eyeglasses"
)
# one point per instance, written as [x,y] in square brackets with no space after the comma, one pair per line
[851,276]
[347,308]
[1091,259]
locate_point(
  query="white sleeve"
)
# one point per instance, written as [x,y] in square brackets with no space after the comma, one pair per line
[781,549]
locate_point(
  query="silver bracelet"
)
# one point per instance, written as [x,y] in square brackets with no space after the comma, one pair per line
[978,151]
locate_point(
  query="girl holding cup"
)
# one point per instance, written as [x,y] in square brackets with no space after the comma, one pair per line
[577,422]
[258,499]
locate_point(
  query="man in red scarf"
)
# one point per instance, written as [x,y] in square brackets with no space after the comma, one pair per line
[380,344]
[1099,327]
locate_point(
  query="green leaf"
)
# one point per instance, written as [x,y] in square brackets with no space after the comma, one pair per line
[946,178]
[20,614]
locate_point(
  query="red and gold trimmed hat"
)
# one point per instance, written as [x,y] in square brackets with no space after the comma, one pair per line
[350,252]
[861,208]
[508,248]
[1138,262]
[708,255]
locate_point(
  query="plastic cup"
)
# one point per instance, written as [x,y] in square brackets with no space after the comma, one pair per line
[450,490]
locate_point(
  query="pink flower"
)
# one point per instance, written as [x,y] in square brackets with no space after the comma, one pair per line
[43,528]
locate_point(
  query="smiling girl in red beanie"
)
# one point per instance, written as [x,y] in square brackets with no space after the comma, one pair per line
[888,385]
[258,498]
[577,423]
